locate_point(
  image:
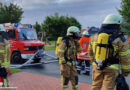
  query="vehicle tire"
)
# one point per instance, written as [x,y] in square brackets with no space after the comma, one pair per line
[16,58]
[37,60]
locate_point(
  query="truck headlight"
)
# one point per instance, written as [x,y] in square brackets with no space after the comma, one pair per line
[26,49]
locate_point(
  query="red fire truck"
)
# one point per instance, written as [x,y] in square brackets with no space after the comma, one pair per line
[23,43]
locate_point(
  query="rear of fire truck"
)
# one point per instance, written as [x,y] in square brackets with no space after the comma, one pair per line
[24,43]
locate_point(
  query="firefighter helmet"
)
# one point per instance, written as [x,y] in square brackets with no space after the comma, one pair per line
[73,31]
[2,27]
[85,33]
[112,19]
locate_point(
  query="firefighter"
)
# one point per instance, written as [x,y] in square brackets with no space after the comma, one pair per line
[4,57]
[67,54]
[104,77]
[83,55]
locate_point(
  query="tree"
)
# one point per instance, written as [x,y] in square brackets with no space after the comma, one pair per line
[12,13]
[56,25]
[125,12]
[37,26]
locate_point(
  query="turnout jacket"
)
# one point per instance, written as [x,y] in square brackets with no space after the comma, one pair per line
[120,48]
[4,53]
[71,51]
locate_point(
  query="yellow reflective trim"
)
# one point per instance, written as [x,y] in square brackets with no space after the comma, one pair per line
[115,49]
[2,51]
[94,63]
[65,87]
[124,53]
[69,63]
[6,64]
[60,50]
[62,59]
[90,57]
[5,84]
[93,46]
[75,87]
[114,66]
[6,49]
[73,63]
[125,66]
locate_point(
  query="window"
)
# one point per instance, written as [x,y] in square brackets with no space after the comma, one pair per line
[27,34]
[12,34]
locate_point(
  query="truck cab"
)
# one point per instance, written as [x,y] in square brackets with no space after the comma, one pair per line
[23,43]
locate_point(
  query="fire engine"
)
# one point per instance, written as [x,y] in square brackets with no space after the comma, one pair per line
[23,43]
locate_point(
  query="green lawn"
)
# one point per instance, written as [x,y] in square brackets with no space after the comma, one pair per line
[15,70]
[51,46]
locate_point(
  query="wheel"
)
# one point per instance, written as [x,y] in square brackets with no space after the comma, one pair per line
[16,58]
[36,60]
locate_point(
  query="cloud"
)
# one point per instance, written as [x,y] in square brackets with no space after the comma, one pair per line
[70,1]
[87,12]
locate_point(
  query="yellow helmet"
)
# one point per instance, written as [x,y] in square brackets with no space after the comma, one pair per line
[112,19]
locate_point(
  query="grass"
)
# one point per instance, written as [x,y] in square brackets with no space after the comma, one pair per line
[15,70]
[51,46]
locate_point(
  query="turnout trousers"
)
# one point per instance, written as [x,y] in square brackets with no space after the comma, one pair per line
[104,79]
[85,66]
[69,73]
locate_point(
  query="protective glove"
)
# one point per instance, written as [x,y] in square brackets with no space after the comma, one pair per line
[3,72]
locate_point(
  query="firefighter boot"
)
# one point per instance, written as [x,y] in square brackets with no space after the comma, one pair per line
[79,72]
[75,87]
[86,73]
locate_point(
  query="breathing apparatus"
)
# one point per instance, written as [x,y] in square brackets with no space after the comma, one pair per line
[108,32]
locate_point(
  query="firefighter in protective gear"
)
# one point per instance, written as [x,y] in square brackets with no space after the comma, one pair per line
[83,55]
[67,54]
[105,79]
[4,57]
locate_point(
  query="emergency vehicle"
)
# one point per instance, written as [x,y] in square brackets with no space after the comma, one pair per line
[23,43]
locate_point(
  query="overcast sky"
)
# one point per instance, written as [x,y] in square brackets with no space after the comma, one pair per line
[87,12]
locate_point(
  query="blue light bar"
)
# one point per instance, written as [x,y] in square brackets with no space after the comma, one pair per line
[15,24]
[30,26]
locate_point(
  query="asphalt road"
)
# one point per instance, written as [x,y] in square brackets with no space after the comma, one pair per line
[53,69]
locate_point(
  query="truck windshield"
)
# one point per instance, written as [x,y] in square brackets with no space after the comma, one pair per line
[27,34]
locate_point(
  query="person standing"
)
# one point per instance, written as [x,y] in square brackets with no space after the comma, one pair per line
[104,73]
[67,54]
[4,57]
[83,55]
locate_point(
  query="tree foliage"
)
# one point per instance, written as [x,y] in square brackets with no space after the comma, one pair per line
[56,25]
[125,12]
[37,27]
[12,13]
